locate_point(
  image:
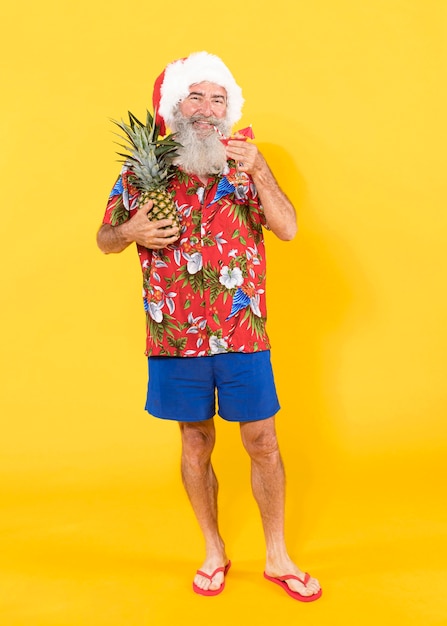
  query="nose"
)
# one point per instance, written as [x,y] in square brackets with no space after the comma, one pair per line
[206,108]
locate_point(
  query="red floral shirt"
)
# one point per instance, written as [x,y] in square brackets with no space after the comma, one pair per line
[205,294]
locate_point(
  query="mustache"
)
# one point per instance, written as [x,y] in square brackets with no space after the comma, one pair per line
[212,121]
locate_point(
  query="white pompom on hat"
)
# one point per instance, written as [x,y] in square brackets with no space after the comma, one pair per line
[174,82]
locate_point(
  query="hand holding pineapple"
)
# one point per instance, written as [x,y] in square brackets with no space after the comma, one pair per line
[155,234]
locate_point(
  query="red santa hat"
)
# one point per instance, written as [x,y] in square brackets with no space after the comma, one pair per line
[174,82]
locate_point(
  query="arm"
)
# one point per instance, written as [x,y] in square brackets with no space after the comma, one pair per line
[279,211]
[138,229]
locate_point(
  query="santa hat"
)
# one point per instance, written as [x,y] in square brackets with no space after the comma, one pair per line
[174,82]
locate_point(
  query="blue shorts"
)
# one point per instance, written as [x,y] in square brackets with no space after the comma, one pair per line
[184,388]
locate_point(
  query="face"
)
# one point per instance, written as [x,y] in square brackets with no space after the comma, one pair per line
[204,102]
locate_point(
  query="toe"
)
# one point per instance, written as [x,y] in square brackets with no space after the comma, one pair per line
[311,587]
[206,584]
[216,581]
[201,582]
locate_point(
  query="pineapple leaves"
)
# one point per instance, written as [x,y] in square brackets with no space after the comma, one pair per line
[133,120]
[148,157]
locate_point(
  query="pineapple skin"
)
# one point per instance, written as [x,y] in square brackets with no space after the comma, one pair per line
[164,206]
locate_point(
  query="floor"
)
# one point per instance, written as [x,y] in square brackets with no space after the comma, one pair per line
[109,539]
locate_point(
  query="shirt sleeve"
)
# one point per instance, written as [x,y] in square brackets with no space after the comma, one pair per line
[122,201]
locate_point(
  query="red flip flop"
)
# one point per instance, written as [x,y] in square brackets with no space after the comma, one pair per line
[281,581]
[212,592]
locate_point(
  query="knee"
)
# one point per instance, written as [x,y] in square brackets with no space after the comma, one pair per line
[197,441]
[262,447]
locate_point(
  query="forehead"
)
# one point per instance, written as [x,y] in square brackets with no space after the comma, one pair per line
[208,89]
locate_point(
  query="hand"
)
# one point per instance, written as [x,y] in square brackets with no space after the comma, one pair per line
[151,234]
[247,156]
[278,210]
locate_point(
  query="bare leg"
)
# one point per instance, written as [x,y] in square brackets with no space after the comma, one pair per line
[268,484]
[201,486]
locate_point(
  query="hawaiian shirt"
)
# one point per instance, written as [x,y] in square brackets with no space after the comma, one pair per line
[204,294]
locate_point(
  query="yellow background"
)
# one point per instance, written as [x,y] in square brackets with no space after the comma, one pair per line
[348,102]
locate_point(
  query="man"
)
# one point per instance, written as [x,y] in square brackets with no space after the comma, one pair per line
[204,294]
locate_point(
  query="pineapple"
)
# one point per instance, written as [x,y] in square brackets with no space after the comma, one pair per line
[149,160]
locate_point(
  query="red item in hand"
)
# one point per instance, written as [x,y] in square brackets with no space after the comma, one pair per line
[246,132]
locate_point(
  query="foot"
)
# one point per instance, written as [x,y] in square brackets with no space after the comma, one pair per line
[299,582]
[210,578]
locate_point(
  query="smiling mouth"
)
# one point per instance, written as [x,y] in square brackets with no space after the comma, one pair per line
[203,124]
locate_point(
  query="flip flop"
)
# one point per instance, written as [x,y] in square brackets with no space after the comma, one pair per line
[212,592]
[281,581]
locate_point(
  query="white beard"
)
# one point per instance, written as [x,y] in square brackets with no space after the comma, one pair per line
[200,154]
